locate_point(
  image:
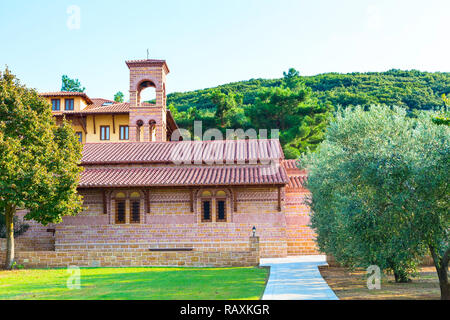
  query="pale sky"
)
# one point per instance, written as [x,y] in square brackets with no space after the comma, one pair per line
[207,43]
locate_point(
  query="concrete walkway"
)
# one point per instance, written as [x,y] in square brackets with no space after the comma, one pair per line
[296,278]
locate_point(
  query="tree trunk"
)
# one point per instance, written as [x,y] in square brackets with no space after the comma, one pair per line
[401,276]
[9,217]
[441,265]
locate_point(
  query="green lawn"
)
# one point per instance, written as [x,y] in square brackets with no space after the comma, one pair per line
[136,283]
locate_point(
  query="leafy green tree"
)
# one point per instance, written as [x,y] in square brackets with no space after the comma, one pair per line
[119,97]
[291,79]
[413,90]
[380,191]
[71,85]
[227,107]
[301,120]
[410,89]
[38,160]
[430,159]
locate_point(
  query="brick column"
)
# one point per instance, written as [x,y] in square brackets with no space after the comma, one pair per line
[146,129]
[254,247]
[132,132]
[127,211]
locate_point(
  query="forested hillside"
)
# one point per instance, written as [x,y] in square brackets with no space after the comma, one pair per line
[300,106]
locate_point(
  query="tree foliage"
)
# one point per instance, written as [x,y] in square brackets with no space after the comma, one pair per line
[119,97]
[409,89]
[379,185]
[300,119]
[235,105]
[71,85]
[38,160]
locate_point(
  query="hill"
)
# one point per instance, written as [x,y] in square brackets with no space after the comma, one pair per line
[412,89]
[301,106]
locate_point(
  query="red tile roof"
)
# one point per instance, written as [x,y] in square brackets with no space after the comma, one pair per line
[187,152]
[98,107]
[297,176]
[290,163]
[182,176]
[123,107]
[296,182]
[67,94]
[98,102]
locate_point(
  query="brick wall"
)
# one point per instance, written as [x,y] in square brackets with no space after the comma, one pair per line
[170,223]
[299,236]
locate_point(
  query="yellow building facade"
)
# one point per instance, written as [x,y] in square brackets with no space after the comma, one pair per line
[99,120]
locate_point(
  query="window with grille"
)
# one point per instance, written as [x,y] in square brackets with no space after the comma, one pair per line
[135,211]
[120,211]
[206,210]
[221,210]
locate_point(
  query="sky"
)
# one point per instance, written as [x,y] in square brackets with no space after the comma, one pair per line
[209,42]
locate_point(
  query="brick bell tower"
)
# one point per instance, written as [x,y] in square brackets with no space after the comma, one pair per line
[148,121]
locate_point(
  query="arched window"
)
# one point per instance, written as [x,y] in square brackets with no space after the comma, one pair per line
[146,92]
[213,206]
[135,204]
[152,130]
[132,200]
[120,208]
[206,206]
[221,206]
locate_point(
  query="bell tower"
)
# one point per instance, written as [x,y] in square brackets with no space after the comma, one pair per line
[148,121]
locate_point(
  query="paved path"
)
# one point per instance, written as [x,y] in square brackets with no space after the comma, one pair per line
[296,278]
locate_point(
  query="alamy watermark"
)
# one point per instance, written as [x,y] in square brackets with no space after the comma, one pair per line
[374,277]
[74,18]
[261,150]
[74,279]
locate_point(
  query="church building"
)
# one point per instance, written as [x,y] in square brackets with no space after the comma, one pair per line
[143,192]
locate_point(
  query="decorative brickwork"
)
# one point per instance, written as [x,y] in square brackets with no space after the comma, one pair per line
[300,237]
[143,74]
[168,222]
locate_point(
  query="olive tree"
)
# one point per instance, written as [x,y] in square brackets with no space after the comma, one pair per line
[379,190]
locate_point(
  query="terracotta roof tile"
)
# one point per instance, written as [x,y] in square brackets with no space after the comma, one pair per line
[67,94]
[297,182]
[290,163]
[182,176]
[184,152]
[98,107]
[98,102]
[123,107]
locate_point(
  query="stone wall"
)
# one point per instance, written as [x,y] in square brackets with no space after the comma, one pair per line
[212,237]
[88,258]
[29,244]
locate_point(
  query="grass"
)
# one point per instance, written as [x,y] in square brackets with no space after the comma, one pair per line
[350,285]
[153,283]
